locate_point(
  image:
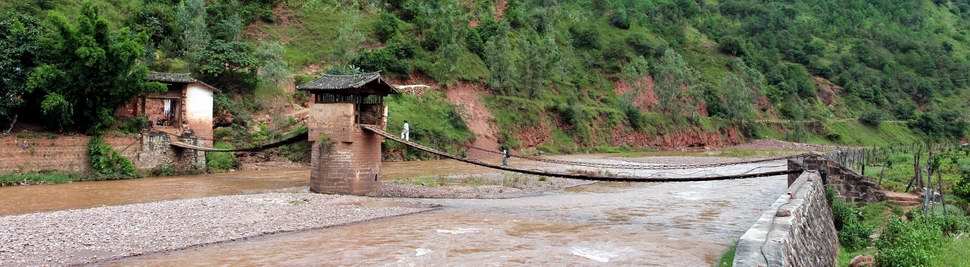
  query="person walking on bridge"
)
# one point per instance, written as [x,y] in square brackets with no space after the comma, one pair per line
[505,157]
[406,132]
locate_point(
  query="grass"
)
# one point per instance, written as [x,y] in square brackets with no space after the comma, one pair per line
[849,133]
[309,40]
[727,259]
[878,214]
[432,119]
[894,173]
[32,178]
[954,252]
[855,133]
[845,257]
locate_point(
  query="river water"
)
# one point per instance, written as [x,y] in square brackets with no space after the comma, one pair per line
[40,198]
[669,224]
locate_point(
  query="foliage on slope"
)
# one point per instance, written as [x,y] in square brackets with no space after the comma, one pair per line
[582,69]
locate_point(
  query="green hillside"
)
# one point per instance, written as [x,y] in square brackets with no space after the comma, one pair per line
[560,76]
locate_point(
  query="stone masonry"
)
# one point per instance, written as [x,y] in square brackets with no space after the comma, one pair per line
[31,153]
[797,230]
[70,153]
[345,158]
[850,185]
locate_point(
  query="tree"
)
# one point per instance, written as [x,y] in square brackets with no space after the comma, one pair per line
[191,19]
[18,45]
[228,28]
[541,63]
[273,67]
[501,62]
[635,72]
[936,124]
[348,38]
[228,60]
[737,99]
[673,81]
[386,26]
[448,60]
[87,70]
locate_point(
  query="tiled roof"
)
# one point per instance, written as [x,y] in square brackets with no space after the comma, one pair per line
[168,77]
[341,82]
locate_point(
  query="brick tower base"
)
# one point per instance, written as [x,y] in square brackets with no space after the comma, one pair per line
[351,166]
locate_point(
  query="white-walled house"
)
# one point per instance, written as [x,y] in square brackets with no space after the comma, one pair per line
[186,104]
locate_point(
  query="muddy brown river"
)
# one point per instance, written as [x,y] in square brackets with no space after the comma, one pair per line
[40,198]
[668,224]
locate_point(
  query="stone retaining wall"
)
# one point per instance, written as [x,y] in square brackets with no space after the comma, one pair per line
[796,231]
[850,185]
[48,152]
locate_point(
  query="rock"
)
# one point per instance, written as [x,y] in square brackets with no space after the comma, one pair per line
[863,260]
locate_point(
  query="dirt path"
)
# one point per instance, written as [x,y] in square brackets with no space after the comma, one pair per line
[476,115]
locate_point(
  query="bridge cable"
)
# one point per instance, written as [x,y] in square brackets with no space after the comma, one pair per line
[591,177]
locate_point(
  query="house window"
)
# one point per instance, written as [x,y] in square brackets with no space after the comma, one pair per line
[322,98]
[167,104]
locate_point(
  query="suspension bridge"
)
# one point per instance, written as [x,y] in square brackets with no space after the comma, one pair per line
[583,170]
[347,126]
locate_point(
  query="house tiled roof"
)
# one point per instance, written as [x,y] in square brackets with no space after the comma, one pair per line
[346,82]
[169,77]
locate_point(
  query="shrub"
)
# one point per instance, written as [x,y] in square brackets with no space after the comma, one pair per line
[732,45]
[633,116]
[940,124]
[620,20]
[853,234]
[381,60]
[106,161]
[962,188]
[217,161]
[872,118]
[585,37]
[134,125]
[402,46]
[949,225]
[299,152]
[905,243]
[34,178]
[386,26]
[644,46]
[164,170]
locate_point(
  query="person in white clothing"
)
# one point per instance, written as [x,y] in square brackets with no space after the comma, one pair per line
[406,133]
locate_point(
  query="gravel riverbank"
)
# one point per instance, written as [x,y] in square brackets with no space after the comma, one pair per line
[82,236]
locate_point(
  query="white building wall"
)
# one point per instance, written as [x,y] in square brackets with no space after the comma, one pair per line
[198,109]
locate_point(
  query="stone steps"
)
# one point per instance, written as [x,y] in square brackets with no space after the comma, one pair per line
[905,200]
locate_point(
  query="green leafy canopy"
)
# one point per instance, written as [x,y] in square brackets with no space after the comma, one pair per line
[87,70]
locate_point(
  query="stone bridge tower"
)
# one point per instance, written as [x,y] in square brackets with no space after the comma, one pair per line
[346,159]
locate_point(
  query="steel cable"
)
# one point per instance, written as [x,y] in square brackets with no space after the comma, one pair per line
[641,166]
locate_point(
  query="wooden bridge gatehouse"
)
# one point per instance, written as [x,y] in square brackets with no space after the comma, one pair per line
[346,159]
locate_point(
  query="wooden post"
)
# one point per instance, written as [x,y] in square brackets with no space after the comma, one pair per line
[929,176]
[884,167]
[916,169]
[939,181]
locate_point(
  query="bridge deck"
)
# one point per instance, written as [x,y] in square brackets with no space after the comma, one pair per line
[581,176]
